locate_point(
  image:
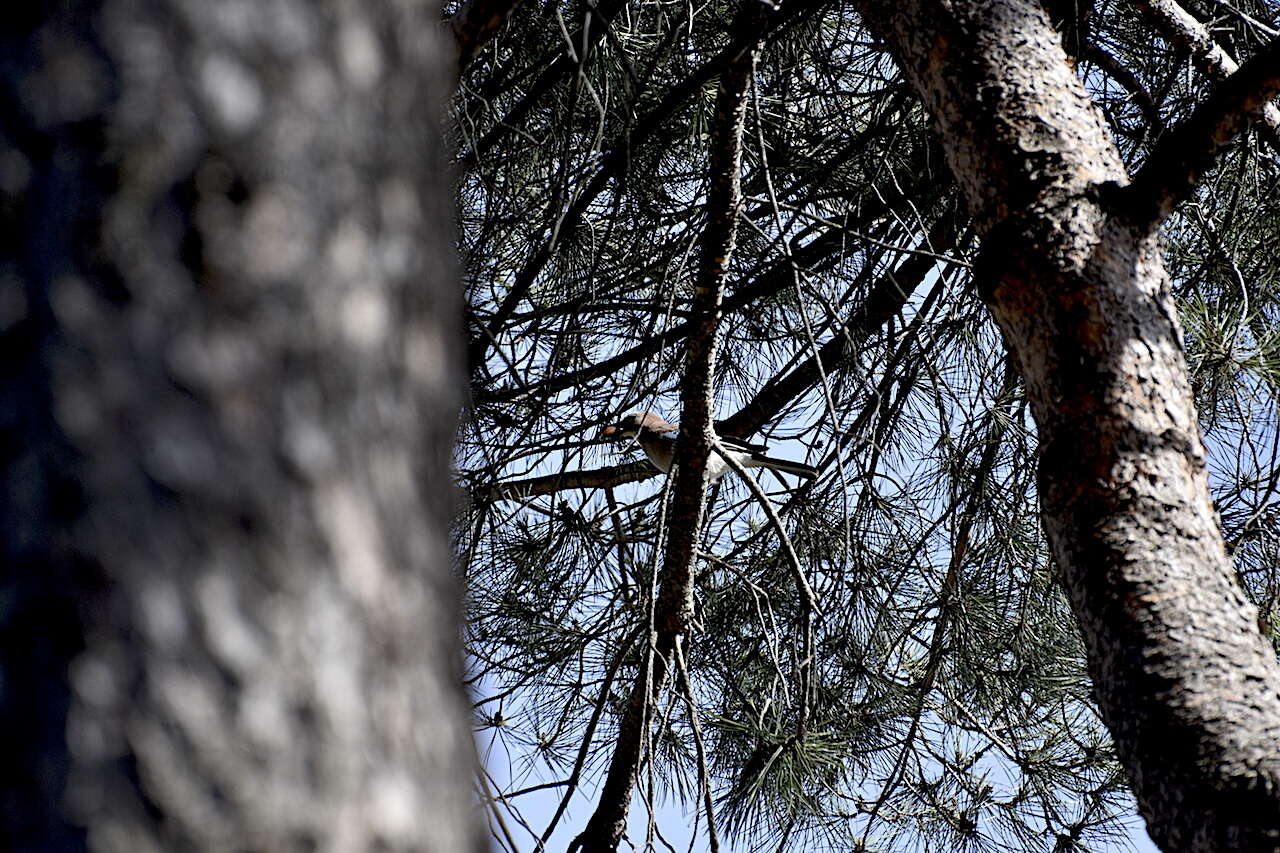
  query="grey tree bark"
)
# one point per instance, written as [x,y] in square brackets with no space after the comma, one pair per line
[230,327]
[1072,273]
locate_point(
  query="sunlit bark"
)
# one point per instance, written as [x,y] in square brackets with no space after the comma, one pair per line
[1072,272]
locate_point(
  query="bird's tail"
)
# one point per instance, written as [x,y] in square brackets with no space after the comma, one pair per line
[798,468]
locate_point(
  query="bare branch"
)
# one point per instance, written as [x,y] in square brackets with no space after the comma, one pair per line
[1126,78]
[788,550]
[674,607]
[596,478]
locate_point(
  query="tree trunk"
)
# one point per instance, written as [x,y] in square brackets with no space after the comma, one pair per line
[230,330]
[1184,679]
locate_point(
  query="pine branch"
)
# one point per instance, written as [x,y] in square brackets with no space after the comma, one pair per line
[674,607]
[1190,150]
[817,253]
[1182,28]
[884,301]
[595,24]
[612,165]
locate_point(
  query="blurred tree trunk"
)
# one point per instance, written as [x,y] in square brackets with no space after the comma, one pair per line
[1072,271]
[229,326]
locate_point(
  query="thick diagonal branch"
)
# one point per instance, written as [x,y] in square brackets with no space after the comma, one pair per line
[886,299]
[1184,155]
[1182,28]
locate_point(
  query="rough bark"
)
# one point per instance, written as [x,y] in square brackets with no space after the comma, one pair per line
[1184,680]
[232,369]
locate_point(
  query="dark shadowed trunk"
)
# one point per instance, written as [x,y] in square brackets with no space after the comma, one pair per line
[229,320]
[1073,274]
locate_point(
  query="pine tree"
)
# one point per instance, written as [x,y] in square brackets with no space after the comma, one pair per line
[975,261]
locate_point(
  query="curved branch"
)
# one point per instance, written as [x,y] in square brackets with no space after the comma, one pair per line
[1126,78]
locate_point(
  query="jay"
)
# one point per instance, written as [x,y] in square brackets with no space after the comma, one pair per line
[658,440]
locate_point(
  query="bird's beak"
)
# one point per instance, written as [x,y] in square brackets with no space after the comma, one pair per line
[611,431]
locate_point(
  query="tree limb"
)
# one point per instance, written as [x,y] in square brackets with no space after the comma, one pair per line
[1183,156]
[1182,28]
[1126,78]
[596,478]
[1183,679]
[674,607]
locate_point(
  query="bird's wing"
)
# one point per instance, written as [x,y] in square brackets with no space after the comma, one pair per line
[651,421]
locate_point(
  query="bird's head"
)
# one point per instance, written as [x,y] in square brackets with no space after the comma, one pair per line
[631,425]
[628,427]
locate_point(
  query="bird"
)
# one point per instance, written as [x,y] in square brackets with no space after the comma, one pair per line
[657,438]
